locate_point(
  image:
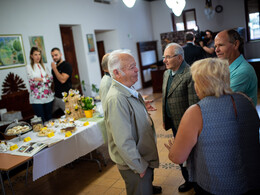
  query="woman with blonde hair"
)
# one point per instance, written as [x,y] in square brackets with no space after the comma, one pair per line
[40,80]
[218,136]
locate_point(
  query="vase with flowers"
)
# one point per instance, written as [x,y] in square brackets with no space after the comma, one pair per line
[87,104]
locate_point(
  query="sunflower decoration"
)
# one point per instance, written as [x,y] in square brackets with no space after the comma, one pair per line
[12,83]
[71,93]
[67,111]
[64,94]
[65,99]
[76,107]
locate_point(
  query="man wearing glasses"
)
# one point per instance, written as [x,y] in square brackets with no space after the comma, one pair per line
[178,94]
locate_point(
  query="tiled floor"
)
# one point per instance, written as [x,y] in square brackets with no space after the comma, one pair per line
[83,176]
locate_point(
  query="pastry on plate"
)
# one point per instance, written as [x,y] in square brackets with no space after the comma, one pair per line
[45,131]
[66,129]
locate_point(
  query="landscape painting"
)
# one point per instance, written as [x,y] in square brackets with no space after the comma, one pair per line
[11,51]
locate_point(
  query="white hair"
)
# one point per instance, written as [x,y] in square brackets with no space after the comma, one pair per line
[114,61]
[178,49]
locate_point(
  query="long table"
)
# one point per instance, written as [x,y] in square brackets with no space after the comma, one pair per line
[82,142]
[50,159]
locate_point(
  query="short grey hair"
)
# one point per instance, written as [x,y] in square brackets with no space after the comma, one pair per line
[114,61]
[104,62]
[178,49]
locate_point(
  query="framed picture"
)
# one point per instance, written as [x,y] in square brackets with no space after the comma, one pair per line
[91,46]
[11,51]
[37,41]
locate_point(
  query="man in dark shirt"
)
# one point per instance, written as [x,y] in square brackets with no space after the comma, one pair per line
[209,44]
[61,71]
[192,52]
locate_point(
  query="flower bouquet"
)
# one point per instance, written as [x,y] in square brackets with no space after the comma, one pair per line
[87,104]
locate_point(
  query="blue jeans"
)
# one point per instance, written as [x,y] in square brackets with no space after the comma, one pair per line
[43,110]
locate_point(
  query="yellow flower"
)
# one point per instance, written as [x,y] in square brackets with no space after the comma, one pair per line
[65,99]
[86,123]
[67,111]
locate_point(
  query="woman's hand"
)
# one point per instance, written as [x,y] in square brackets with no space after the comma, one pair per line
[170,144]
[38,79]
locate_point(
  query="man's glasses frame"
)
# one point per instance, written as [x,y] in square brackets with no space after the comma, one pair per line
[169,57]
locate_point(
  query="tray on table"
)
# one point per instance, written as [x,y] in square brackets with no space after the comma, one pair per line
[17,128]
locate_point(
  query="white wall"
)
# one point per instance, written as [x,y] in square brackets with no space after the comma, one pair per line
[110,39]
[144,22]
[233,16]
[81,59]
[35,17]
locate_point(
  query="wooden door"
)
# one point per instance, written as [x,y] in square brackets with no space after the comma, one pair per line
[70,55]
[101,53]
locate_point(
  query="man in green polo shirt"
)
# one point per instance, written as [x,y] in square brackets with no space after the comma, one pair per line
[229,46]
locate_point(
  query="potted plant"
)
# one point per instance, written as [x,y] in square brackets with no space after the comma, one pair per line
[87,104]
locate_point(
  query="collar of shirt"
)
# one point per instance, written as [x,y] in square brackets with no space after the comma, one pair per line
[173,73]
[236,63]
[131,90]
[38,68]
[106,73]
[181,68]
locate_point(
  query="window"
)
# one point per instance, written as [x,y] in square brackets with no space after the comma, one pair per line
[186,21]
[252,8]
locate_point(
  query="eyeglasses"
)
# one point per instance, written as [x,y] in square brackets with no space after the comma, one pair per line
[169,57]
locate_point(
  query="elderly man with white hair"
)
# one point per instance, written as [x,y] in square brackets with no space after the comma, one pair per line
[130,129]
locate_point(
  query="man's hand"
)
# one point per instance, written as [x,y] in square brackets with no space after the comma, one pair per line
[201,43]
[148,106]
[142,174]
[170,144]
[53,65]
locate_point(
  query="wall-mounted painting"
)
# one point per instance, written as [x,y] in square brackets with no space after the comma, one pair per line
[91,46]
[11,51]
[37,41]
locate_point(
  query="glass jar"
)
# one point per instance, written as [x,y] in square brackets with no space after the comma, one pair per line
[36,123]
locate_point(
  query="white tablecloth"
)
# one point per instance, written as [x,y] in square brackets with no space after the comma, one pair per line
[86,140]
[83,141]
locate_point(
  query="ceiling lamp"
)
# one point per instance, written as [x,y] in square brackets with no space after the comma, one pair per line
[177,6]
[129,3]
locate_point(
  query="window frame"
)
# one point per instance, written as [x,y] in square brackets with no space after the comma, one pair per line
[247,22]
[183,15]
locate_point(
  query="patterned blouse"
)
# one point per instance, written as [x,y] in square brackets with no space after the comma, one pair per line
[40,91]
